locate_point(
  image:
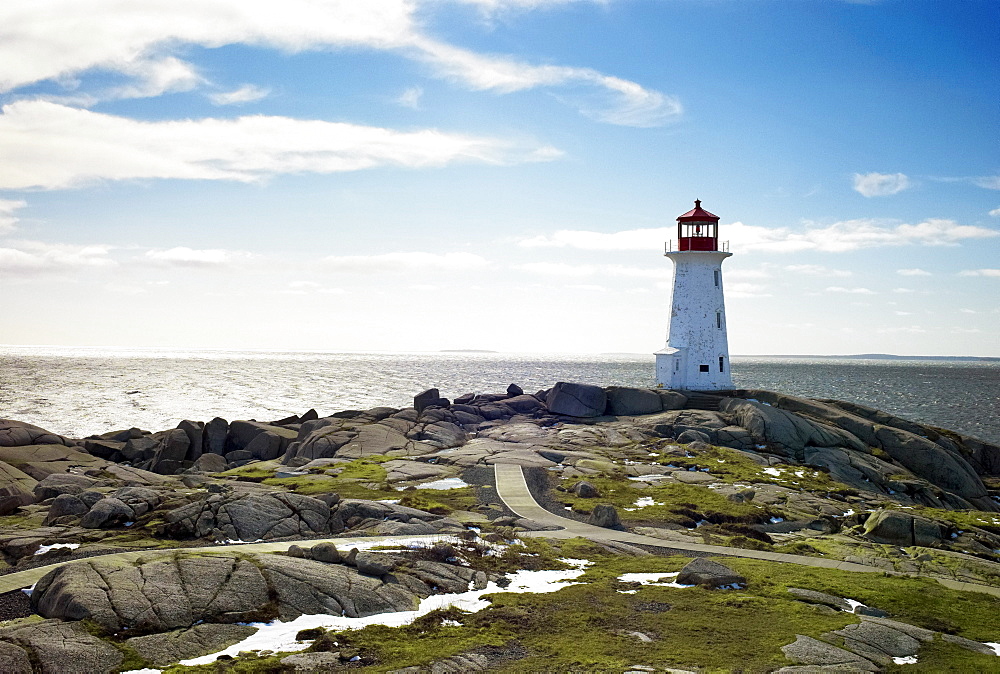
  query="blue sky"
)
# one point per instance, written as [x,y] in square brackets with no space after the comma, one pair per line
[497,174]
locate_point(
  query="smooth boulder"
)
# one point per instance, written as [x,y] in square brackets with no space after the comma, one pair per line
[576,400]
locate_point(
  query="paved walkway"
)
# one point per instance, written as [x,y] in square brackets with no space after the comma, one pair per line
[513,491]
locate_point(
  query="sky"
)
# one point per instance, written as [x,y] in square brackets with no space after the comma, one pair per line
[416,175]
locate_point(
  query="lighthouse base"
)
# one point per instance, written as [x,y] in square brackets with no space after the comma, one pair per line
[673,371]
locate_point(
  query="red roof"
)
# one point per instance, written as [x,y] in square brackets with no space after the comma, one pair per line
[697,214]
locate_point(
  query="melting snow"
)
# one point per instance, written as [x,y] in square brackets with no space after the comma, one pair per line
[908,660]
[652,476]
[45,548]
[278,636]
[651,579]
[994,645]
[777,520]
[445,483]
[772,471]
[642,502]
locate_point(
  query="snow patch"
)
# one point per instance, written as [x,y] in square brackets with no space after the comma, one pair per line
[280,637]
[444,483]
[772,471]
[55,546]
[658,579]
[907,660]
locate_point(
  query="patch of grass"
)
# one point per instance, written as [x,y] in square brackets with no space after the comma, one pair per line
[439,501]
[585,627]
[677,503]
[962,519]
[258,470]
[918,601]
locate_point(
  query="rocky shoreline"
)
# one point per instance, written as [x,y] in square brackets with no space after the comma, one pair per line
[746,468]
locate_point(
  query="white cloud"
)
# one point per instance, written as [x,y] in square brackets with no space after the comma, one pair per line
[987,182]
[853,291]
[557,269]
[980,272]
[746,290]
[912,272]
[55,146]
[839,237]
[576,270]
[8,221]
[903,291]
[68,37]
[742,274]
[611,99]
[37,257]
[633,239]
[155,77]
[410,98]
[406,261]
[818,270]
[880,184]
[910,329]
[310,288]
[248,93]
[995,212]
[182,256]
[968,311]
[903,313]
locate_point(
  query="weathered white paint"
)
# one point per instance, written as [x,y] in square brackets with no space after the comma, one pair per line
[696,335]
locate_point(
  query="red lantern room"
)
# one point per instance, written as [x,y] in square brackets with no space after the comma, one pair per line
[698,229]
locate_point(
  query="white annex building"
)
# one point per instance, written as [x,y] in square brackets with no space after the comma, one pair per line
[696,357]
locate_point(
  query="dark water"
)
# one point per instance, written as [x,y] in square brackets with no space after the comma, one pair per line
[78,391]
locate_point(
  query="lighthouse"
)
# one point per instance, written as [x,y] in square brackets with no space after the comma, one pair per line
[696,357]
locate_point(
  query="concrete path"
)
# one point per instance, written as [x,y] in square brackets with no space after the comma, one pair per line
[513,491]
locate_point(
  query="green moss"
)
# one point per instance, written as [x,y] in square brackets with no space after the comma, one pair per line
[586,626]
[677,503]
[441,501]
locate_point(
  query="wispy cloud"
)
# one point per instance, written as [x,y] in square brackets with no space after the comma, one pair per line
[995,212]
[747,290]
[987,182]
[912,272]
[136,39]
[406,261]
[995,273]
[61,147]
[37,257]
[839,237]
[818,270]
[410,98]
[850,291]
[880,184]
[182,256]
[248,93]
[8,221]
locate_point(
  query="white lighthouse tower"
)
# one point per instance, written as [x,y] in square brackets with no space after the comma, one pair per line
[696,357]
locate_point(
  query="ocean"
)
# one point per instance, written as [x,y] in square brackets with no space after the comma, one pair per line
[81,391]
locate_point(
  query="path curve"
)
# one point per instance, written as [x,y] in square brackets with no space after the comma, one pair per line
[513,491]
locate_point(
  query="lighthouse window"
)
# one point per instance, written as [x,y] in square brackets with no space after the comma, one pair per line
[722,362]
[718,319]
[716,278]
[703,368]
